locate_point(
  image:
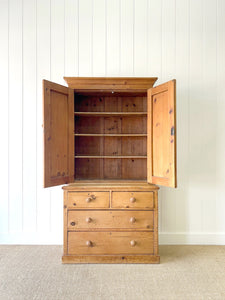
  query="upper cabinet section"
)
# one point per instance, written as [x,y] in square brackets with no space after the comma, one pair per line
[162,134]
[111,84]
[118,128]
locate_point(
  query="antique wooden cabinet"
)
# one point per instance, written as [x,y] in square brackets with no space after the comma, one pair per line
[111,140]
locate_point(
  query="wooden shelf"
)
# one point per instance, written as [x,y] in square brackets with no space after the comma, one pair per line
[109,114]
[109,156]
[110,134]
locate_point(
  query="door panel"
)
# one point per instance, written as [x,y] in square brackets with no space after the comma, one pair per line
[162,134]
[58,103]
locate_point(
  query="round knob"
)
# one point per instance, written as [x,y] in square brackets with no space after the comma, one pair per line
[132,199]
[89,243]
[88,219]
[72,223]
[132,243]
[132,219]
[88,199]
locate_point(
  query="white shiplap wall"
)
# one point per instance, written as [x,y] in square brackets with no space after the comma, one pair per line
[50,39]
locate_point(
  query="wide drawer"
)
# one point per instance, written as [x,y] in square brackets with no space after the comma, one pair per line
[87,243]
[90,219]
[133,200]
[88,200]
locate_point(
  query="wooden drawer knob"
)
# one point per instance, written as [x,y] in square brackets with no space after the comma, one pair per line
[72,223]
[88,219]
[132,243]
[88,199]
[89,243]
[132,199]
[132,220]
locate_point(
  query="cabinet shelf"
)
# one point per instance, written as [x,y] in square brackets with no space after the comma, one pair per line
[109,134]
[110,114]
[110,156]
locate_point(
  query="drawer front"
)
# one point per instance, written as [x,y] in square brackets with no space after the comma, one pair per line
[133,200]
[90,219]
[88,199]
[85,243]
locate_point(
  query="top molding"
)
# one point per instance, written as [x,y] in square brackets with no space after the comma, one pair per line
[140,84]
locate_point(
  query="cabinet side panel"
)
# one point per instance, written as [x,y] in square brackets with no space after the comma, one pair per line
[149,136]
[65,205]
[156,245]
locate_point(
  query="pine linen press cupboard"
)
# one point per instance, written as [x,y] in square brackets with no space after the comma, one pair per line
[112,140]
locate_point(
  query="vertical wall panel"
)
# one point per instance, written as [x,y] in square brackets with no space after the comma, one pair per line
[85,37]
[168,196]
[220,116]
[43,72]
[15,116]
[29,115]
[4,75]
[168,39]
[57,40]
[99,38]
[140,37]
[182,74]
[71,38]
[196,130]
[209,105]
[126,38]
[155,38]
[57,71]
[113,38]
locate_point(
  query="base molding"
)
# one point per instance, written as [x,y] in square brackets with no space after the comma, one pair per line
[111,259]
[192,238]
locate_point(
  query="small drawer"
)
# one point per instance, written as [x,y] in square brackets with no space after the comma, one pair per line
[85,243]
[90,219]
[133,200]
[88,200]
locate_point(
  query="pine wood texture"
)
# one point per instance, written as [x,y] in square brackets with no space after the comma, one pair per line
[58,134]
[110,243]
[123,136]
[134,200]
[115,234]
[102,219]
[110,185]
[88,199]
[117,114]
[110,136]
[156,236]
[65,200]
[113,136]
[111,259]
[110,83]
[161,143]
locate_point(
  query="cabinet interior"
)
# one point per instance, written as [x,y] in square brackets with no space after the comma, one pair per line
[110,135]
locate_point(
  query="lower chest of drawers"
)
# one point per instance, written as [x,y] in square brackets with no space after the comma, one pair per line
[110,226]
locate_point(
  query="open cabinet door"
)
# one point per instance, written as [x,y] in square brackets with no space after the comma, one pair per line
[162,134]
[58,104]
